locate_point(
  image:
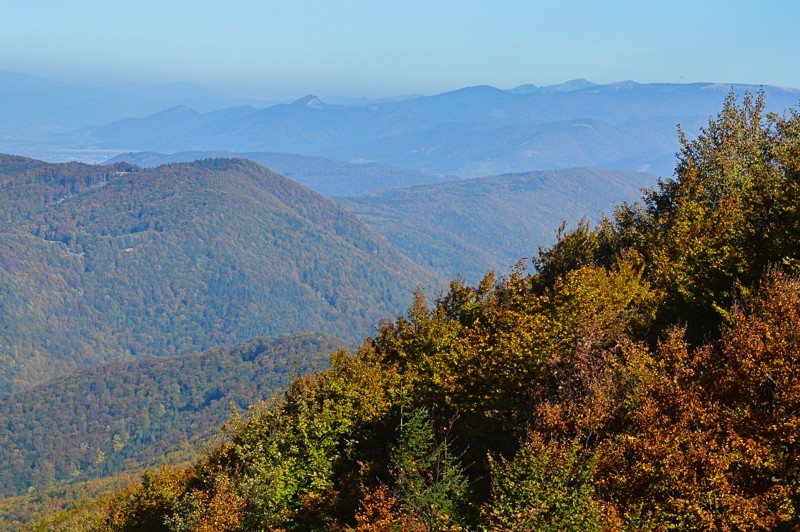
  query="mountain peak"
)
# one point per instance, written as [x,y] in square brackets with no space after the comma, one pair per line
[473,93]
[309,100]
[571,85]
[527,88]
[178,110]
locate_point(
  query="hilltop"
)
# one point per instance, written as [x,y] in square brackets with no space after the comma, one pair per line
[113,263]
[465,227]
[326,176]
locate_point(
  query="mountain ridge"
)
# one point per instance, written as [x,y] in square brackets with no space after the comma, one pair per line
[465,227]
[421,132]
[326,176]
[116,262]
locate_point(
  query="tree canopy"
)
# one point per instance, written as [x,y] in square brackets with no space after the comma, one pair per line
[645,375]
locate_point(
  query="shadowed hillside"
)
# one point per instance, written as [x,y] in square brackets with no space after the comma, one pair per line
[124,415]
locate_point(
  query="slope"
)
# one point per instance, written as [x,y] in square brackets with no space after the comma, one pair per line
[99,421]
[466,227]
[645,377]
[105,263]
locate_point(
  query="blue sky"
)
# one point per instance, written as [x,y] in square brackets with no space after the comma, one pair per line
[284,49]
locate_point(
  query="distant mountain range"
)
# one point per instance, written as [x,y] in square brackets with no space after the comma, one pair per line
[470,132]
[30,103]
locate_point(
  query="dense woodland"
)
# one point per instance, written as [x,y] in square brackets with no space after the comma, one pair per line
[469,226]
[105,263]
[126,415]
[644,375]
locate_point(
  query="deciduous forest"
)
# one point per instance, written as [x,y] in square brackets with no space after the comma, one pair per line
[640,374]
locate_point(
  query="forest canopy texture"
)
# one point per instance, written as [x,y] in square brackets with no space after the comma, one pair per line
[110,263]
[644,374]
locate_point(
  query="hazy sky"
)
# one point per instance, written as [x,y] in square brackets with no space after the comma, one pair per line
[287,48]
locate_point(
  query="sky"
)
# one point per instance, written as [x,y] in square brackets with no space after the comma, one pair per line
[283,49]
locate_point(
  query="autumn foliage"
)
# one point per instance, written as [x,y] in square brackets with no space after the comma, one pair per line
[644,376]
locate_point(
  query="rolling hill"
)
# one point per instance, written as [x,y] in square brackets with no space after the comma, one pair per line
[457,227]
[469,226]
[102,420]
[116,262]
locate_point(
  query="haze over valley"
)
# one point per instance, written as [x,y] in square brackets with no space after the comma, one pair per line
[470,132]
[411,266]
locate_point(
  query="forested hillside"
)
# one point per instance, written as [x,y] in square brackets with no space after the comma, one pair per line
[102,420]
[110,263]
[468,226]
[644,376]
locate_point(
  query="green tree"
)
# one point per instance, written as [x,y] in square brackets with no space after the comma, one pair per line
[730,211]
[545,487]
[429,480]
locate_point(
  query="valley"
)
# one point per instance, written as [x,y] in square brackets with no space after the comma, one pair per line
[225,259]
